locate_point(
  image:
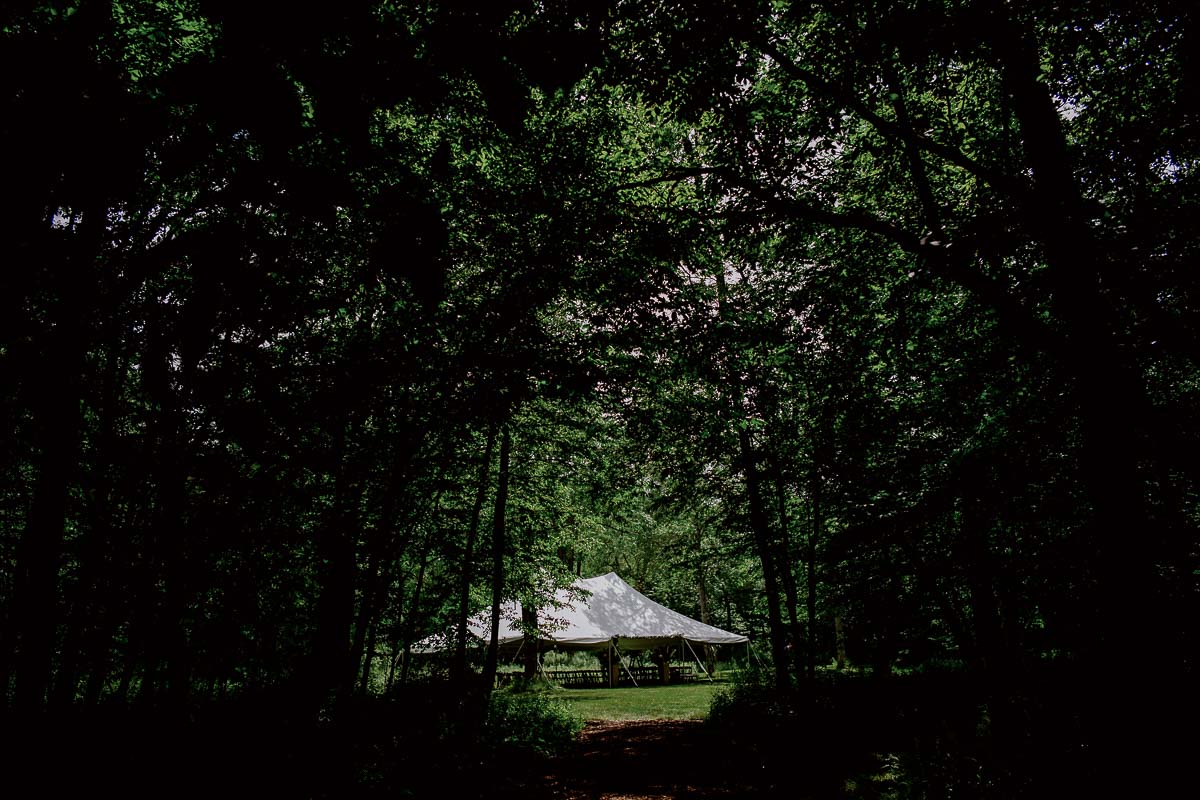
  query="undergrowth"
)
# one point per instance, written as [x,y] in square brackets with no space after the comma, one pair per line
[530,720]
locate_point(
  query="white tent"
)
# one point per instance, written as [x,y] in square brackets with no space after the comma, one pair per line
[596,613]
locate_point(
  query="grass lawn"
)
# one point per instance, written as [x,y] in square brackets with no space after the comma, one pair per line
[683,701]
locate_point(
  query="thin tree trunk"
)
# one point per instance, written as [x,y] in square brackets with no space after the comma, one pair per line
[458,668]
[747,462]
[705,615]
[839,642]
[498,546]
[35,599]
[397,633]
[88,633]
[58,424]
[810,573]
[365,616]
[529,618]
[332,665]
[799,646]
[762,540]
[413,607]
[368,658]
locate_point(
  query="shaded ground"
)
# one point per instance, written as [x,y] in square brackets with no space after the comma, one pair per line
[640,760]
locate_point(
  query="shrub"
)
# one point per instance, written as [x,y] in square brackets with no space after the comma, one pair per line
[531,721]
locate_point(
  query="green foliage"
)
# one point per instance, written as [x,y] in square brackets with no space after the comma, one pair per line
[871,333]
[530,720]
[750,702]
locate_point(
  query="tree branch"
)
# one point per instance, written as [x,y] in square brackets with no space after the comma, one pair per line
[670,177]
[890,129]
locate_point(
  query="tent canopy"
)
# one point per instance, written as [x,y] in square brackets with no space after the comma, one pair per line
[593,611]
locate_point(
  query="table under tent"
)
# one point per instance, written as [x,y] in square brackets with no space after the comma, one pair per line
[609,617]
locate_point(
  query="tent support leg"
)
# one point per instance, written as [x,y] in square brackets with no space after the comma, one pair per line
[698,664]
[621,658]
[750,650]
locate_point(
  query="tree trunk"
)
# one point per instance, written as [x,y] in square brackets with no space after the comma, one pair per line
[364,620]
[57,414]
[332,666]
[747,462]
[368,659]
[397,638]
[839,642]
[36,590]
[529,618]
[413,607]
[458,667]
[810,573]
[705,615]
[762,540]
[798,644]
[498,546]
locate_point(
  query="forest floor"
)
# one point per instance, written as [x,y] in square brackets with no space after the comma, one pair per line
[648,759]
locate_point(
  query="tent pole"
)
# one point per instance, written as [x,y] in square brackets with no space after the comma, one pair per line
[698,664]
[750,650]
[621,658]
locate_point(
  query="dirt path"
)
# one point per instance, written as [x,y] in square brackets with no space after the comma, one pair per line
[646,761]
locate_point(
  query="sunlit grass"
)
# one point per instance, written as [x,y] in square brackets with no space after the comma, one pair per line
[683,701]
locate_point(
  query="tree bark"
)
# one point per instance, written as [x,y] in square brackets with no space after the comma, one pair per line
[36,591]
[498,547]
[332,665]
[747,463]
[798,644]
[529,618]
[397,633]
[839,642]
[762,540]
[413,607]
[816,497]
[458,667]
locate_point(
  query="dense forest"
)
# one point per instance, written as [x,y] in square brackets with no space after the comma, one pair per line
[866,329]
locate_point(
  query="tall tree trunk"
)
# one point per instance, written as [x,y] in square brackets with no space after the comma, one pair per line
[36,590]
[458,667]
[388,545]
[89,624]
[1123,589]
[798,644]
[498,546]
[762,540]
[839,642]
[529,619]
[747,462]
[1114,409]
[365,615]
[397,632]
[815,532]
[368,658]
[57,394]
[58,426]
[332,666]
[413,608]
[369,608]
[702,598]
